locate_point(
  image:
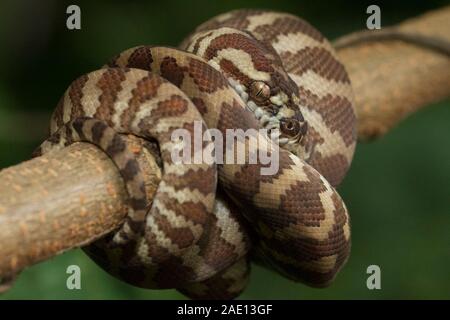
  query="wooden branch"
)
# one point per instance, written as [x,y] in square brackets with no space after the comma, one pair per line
[69,198]
[393,79]
[62,200]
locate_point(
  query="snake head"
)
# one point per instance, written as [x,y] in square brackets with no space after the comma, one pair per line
[256,73]
[276,105]
[277,109]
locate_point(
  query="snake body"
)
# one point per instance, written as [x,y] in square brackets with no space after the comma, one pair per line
[242,70]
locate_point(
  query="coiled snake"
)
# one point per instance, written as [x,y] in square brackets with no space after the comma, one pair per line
[240,70]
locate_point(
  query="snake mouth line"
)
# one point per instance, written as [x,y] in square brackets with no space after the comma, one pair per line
[270,122]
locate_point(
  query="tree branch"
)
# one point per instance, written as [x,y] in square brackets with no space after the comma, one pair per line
[393,79]
[62,200]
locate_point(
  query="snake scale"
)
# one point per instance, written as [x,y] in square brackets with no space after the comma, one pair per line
[244,69]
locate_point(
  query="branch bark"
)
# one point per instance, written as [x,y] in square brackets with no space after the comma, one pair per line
[393,79]
[62,200]
[69,198]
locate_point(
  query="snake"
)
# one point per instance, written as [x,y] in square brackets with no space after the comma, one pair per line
[245,69]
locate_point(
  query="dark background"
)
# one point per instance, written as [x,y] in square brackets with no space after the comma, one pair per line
[397,191]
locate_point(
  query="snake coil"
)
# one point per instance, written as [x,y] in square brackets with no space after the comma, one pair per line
[246,69]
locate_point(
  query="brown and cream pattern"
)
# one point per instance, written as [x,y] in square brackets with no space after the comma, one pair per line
[325,92]
[245,69]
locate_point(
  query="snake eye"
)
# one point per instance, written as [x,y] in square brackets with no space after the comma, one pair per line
[290,127]
[259,91]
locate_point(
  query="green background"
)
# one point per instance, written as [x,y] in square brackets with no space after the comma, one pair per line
[397,191]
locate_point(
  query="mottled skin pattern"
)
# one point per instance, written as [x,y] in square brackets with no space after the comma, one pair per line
[244,74]
[326,97]
[326,103]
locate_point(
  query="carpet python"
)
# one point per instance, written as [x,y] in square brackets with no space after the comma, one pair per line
[244,69]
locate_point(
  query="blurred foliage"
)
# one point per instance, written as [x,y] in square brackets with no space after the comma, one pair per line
[397,190]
